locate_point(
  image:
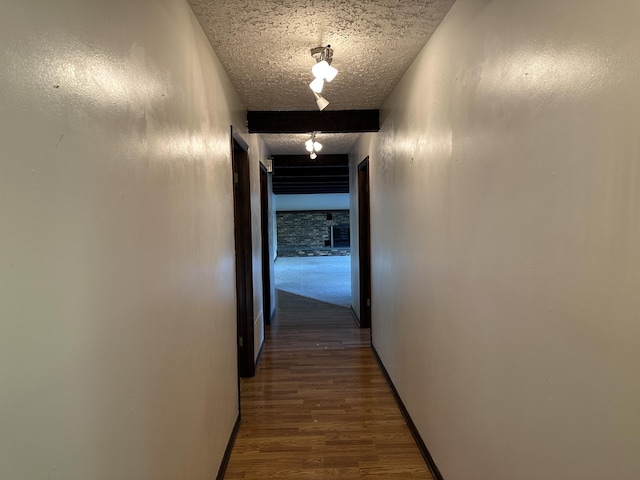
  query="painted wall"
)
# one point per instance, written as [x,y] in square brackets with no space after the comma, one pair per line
[505,230]
[118,331]
[312,201]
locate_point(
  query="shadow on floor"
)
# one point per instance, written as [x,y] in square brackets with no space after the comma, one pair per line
[327,279]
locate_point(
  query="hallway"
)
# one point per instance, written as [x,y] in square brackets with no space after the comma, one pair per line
[319,406]
[499,143]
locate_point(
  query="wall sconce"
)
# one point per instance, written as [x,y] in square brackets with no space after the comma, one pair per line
[312,146]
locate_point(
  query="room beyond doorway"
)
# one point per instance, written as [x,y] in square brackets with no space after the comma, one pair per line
[327,278]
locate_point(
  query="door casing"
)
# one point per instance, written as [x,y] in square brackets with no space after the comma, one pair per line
[244,253]
[364,243]
[266,250]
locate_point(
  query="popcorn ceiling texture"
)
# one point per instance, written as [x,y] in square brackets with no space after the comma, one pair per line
[293,144]
[265,47]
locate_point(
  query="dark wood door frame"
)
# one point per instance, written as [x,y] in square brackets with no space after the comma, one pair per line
[244,253]
[266,250]
[364,243]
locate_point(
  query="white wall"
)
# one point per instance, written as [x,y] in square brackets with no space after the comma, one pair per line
[505,230]
[312,201]
[118,331]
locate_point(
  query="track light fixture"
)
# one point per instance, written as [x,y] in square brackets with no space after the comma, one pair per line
[321,101]
[312,146]
[322,71]
[317,85]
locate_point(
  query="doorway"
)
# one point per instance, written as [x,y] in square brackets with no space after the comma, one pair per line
[243,244]
[364,243]
[266,250]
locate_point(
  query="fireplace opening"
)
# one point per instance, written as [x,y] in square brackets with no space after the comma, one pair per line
[340,236]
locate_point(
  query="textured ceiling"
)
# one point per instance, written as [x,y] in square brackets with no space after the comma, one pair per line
[265,48]
[293,144]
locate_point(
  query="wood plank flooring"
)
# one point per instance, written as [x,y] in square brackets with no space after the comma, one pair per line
[319,406]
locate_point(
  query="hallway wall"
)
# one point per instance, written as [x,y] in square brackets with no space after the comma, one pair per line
[505,230]
[117,299]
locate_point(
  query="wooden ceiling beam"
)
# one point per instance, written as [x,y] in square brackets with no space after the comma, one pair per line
[280,161]
[311,180]
[284,172]
[332,121]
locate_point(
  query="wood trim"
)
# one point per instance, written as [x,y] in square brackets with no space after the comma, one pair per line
[227,453]
[312,172]
[241,180]
[364,242]
[300,174]
[412,426]
[355,316]
[304,161]
[259,357]
[266,247]
[333,121]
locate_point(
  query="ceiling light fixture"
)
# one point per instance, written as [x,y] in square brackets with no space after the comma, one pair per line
[322,71]
[317,85]
[312,146]
[321,101]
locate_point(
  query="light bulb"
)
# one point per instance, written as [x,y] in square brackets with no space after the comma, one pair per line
[319,70]
[309,145]
[317,146]
[317,85]
[330,73]
[321,101]
[313,156]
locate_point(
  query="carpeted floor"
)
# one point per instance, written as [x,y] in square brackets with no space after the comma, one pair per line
[327,279]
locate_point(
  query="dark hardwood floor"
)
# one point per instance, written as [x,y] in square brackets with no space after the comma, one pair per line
[319,406]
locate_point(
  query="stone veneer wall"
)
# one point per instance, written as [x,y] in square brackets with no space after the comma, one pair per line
[307,233]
